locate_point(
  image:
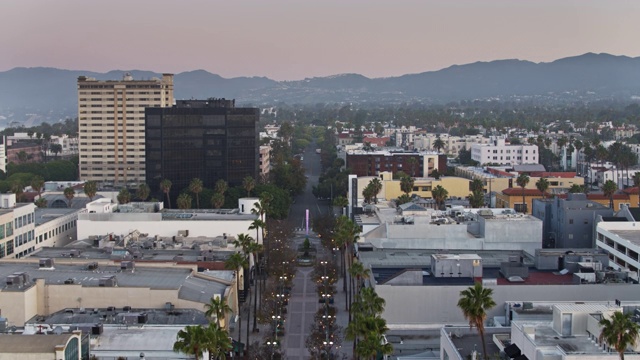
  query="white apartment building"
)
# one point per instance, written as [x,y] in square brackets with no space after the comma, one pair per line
[111,119]
[622,241]
[452,144]
[498,152]
[403,136]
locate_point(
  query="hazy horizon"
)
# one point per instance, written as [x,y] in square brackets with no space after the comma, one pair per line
[297,39]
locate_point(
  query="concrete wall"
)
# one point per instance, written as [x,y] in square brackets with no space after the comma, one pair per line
[19,306]
[431,306]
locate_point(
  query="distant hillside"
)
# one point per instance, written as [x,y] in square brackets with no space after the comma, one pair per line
[602,75]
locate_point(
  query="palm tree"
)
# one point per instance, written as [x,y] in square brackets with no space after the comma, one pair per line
[439,194]
[542,185]
[576,189]
[221,186]
[184,201]
[90,189]
[413,162]
[371,303]
[476,185]
[358,271]
[217,307]
[438,144]
[619,332]
[18,189]
[41,203]
[345,234]
[195,186]
[37,183]
[523,181]
[248,183]
[217,341]
[255,249]
[236,262]
[406,184]
[476,199]
[124,197]
[368,193]
[143,192]
[191,341]
[69,193]
[578,145]
[217,200]
[636,179]
[608,189]
[165,186]
[474,303]
[376,187]
[340,201]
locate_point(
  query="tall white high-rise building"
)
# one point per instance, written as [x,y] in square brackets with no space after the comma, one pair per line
[111,120]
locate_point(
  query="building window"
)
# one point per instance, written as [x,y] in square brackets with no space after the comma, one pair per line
[570,221]
[570,236]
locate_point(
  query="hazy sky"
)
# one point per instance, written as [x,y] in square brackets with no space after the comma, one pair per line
[294,39]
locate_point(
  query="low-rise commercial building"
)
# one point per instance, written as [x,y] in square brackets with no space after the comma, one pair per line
[104,217]
[46,286]
[70,346]
[417,299]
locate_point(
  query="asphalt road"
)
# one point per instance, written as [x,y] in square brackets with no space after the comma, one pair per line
[306,201]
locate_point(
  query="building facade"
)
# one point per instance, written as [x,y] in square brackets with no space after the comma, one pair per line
[111,116]
[497,151]
[568,223]
[622,241]
[205,139]
[415,164]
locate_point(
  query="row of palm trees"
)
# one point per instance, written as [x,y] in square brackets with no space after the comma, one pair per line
[196,186]
[609,188]
[367,328]
[619,331]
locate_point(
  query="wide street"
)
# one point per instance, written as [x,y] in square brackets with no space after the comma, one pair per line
[303,303]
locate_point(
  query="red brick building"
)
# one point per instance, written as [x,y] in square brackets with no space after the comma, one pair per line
[364,163]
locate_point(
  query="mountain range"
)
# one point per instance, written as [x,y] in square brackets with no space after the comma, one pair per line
[590,75]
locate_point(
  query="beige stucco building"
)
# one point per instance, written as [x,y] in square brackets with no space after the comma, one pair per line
[456,186]
[111,118]
[32,289]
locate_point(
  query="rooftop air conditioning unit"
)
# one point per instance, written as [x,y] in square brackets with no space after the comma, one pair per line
[108,281]
[46,263]
[15,280]
[127,265]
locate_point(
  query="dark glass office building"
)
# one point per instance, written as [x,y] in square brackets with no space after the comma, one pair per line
[206,139]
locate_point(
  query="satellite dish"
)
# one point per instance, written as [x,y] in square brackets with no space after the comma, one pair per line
[57,330]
